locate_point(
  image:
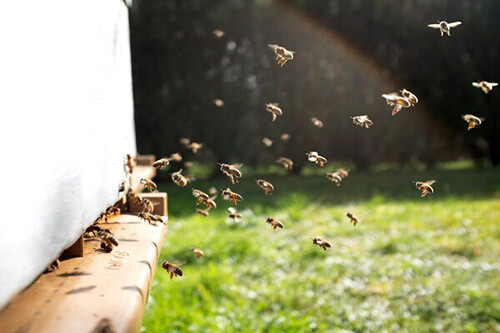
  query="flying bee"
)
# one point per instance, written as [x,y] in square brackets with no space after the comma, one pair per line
[316,122]
[161,163]
[274,109]
[197,252]
[129,164]
[218,33]
[282,54]
[334,177]
[425,187]
[213,191]
[176,157]
[200,196]
[234,215]
[184,141]
[444,27]
[232,171]
[398,102]
[485,86]
[265,185]
[231,196]
[195,146]
[203,212]
[472,120]
[171,269]
[285,162]
[218,102]
[149,184]
[267,142]
[342,172]
[274,223]
[362,121]
[410,96]
[179,179]
[285,137]
[210,203]
[321,243]
[53,266]
[353,218]
[314,157]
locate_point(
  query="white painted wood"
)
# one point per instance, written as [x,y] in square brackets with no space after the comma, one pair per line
[66,123]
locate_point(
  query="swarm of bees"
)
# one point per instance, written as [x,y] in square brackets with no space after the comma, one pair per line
[232,171]
[203,198]
[353,218]
[274,109]
[485,86]
[274,223]
[316,122]
[282,54]
[337,176]
[321,243]
[362,121]
[53,266]
[444,27]
[266,186]
[472,120]
[425,187]
[405,100]
[314,157]
[285,162]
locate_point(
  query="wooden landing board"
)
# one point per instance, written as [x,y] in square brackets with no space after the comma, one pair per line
[101,292]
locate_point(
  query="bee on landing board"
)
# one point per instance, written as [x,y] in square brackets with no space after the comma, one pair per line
[425,187]
[274,109]
[197,252]
[179,179]
[282,54]
[472,120]
[274,223]
[321,243]
[353,218]
[171,269]
[285,162]
[485,86]
[266,186]
[53,266]
[444,27]
[231,196]
[149,184]
[234,215]
[362,121]
[314,157]
[316,122]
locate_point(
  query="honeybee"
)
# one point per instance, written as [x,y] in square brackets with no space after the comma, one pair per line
[353,218]
[274,109]
[94,229]
[184,141]
[179,179]
[176,157]
[107,245]
[334,177]
[107,236]
[195,146]
[314,157]
[398,102]
[203,212]
[218,33]
[218,102]
[161,163]
[286,162]
[265,185]
[171,269]
[444,27]
[472,120]
[129,164]
[231,196]
[149,184]
[197,252]
[274,223]
[410,96]
[232,171]
[316,122]
[267,142]
[234,215]
[113,211]
[285,137]
[121,187]
[53,266]
[200,196]
[362,121]
[131,196]
[147,205]
[321,243]
[485,86]
[425,187]
[282,54]
[213,191]
[150,218]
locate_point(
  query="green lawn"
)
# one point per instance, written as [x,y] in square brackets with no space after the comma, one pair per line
[412,264]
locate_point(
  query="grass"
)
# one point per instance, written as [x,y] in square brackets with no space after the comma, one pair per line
[412,264]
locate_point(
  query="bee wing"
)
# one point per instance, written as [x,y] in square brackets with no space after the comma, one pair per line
[454,24]
[482,119]
[493,84]
[430,182]
[231,210]
[273,46]
[434,26]
[476,84]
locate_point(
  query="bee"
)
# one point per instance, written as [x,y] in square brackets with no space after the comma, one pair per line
[353,218]
[161,163]
[147,205]
[113,211]
[316,122]
[362,121]
[213,191]
[184,141]
[267,142]
[234,215]
[398,102]
[410,96]
[274,109]
[131,196]
[285,162]
[285,137]
[485,86]
[444,27]
[129,164]
[218,102]
[210,203]
[265,185]
[203,212]
[121,187]
[53,266]
[171,269]
[282,54]
[179,179]
[194,146]
[334,177]
[197,252]
[314,157]
[321,243]
[150,218]
[231,196]
[106,245]
[274,223]
[425,187]
[218,33]
[149,184]
[232,171]
[342,172]
[107,236]
[473,121]
[94,229]
[200,196]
